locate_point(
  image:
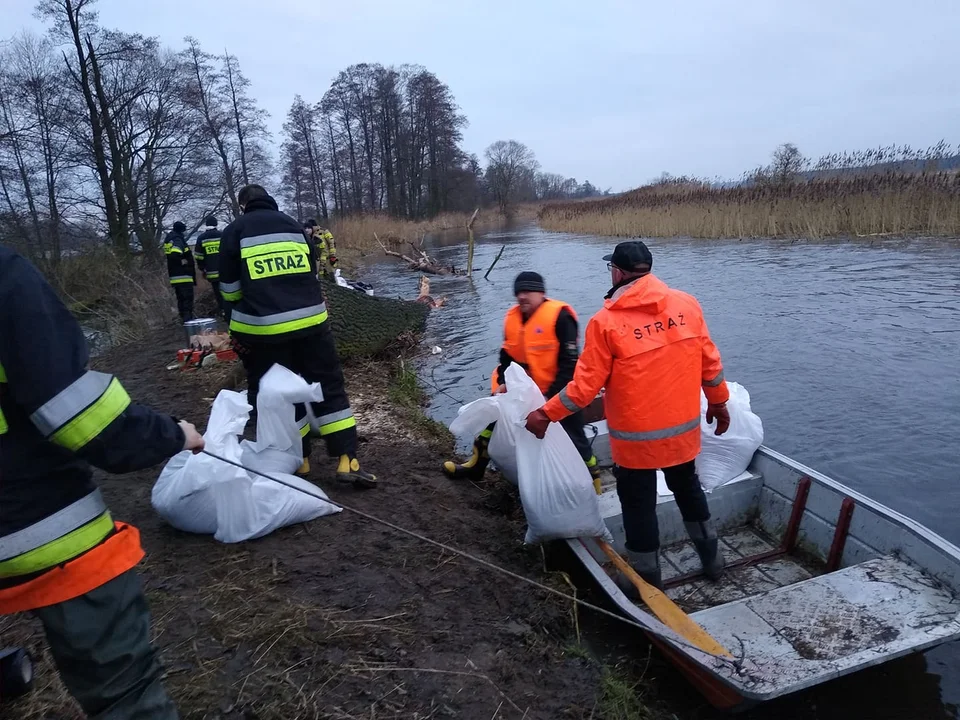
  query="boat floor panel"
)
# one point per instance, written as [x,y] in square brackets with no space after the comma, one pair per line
[823,626]
[736,583]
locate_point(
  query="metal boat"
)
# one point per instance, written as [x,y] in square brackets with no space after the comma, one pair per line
[821,582]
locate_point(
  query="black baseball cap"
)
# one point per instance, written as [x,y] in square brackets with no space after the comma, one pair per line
[629,255]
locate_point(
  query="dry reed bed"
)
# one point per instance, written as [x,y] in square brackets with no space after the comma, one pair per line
[888,203]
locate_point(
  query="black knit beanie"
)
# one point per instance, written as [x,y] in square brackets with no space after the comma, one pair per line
[211,221]
[529,281]
[179,227]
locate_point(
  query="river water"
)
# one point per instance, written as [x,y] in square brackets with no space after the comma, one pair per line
[850,352]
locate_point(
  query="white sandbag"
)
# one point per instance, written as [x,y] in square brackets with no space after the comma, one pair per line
[556,489]
[200,494]
[471,420]
[722,458]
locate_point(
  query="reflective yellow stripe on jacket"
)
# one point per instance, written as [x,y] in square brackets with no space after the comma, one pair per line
[3,419]
[74,543]
[83,410]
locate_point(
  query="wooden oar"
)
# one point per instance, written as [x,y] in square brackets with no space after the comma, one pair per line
[664,608]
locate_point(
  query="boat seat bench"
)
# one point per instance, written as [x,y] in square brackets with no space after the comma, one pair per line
[824,626]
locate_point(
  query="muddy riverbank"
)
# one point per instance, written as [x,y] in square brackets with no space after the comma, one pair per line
[340,618]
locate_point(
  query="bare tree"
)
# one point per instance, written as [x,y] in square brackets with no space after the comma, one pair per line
[787,163]
[508,163]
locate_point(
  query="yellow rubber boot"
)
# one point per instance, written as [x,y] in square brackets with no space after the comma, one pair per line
[594,468]
[348,471]
[304,469]
[473,468]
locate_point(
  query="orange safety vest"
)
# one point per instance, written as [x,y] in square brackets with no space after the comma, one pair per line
[534,343]
[650,348]
[110,559]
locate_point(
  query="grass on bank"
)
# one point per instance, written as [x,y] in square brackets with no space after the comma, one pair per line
[879,204]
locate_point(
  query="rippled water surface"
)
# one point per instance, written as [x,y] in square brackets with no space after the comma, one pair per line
[850,352]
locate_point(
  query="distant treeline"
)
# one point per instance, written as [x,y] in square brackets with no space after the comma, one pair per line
[108,137]
[893,190]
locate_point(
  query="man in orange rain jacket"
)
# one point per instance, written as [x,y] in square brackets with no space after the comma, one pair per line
[650,348]
[540,335]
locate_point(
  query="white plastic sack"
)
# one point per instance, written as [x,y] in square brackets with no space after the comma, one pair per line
[722,458]
[200,494]
[556,489]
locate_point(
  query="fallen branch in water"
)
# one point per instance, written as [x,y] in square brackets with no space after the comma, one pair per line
[495,260]
[422,264]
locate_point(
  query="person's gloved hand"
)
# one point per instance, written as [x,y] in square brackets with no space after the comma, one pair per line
[719,413]
[333,260]
[538,422]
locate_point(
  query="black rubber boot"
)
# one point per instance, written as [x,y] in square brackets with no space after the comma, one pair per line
[647,566]
[474,468]
[707,545]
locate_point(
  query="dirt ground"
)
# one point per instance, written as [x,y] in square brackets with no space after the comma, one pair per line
[340,618]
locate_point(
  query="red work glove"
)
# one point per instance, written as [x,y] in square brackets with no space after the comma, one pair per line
[333,260]
[719,413]
[538,422]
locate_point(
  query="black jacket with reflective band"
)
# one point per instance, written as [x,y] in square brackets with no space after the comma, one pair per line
[268,270]
[58,419]
[207,252]
[180,265]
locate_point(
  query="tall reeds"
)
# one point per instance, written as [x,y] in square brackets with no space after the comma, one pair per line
[840,197]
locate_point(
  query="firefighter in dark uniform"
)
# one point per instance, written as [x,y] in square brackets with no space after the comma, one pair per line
[62,555]
[180,267]
[207,253]
[540,335]
[269,275]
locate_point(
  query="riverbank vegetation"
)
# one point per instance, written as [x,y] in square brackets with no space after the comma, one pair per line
[887,191]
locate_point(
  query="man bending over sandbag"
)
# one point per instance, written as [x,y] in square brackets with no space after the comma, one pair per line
[540,335]
[650,348]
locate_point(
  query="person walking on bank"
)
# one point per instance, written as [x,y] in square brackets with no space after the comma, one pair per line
[269,275]
[650,348]
[540,335]
[207,252]
[62,556]
[180,267]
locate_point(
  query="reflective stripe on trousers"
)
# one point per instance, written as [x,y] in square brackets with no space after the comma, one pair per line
[662,434]
[333,422]
[57,538]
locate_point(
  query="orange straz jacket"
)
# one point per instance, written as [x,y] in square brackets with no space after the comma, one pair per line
[650,348]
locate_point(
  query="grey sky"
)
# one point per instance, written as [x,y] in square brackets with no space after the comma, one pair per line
[610,91]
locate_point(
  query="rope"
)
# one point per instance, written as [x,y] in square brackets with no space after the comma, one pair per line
[479,561]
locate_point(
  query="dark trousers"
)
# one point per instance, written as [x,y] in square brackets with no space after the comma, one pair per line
[573,424]
[101,645]
[184,293]
[314,357]
[637,490]
[215,284]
